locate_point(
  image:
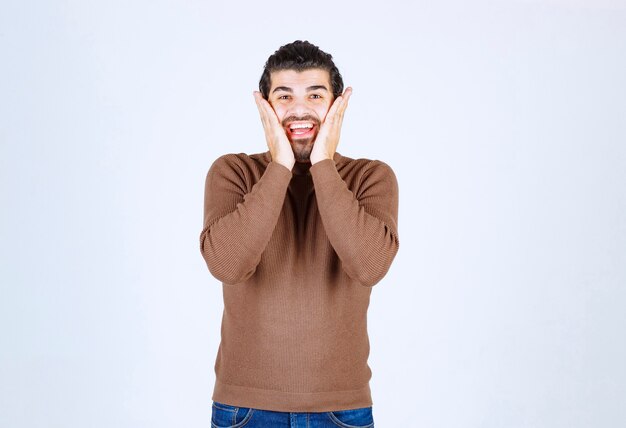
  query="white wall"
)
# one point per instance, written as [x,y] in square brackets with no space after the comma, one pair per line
[505,124]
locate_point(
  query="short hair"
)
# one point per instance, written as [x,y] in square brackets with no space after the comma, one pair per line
[299,56]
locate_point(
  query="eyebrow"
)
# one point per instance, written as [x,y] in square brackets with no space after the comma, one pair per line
[310,88]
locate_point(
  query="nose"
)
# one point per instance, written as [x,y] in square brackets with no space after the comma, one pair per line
[299,107]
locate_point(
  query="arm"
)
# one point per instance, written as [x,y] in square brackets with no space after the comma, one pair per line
[361,227]
[239,222]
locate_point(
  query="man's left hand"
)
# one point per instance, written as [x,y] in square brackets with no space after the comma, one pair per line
[328,137]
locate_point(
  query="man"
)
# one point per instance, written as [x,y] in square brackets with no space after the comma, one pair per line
[298,235]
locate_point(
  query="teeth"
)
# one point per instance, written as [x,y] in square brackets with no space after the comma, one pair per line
[301,125]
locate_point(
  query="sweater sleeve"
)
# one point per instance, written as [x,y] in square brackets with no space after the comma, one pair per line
[238,220]
[361,226]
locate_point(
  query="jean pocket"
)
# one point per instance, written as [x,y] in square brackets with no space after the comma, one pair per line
[227,416]
[353,418]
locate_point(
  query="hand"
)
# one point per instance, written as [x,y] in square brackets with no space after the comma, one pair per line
[328,136]
[277,141]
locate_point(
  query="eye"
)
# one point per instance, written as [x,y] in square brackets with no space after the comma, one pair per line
[283,97]
[316,96]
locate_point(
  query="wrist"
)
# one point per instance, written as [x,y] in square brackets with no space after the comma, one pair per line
[316,159]
[287,163]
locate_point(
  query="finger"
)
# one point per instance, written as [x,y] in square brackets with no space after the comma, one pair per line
[345,98]
[257,97]
[257,100]
[343,101]
[330,116]
[267,108]
[268,116]
[262,102]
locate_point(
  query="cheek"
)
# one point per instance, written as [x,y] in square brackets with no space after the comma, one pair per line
[280,113]
[322,111]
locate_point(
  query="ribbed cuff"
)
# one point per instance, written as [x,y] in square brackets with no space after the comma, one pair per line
[323,171]
[278,172]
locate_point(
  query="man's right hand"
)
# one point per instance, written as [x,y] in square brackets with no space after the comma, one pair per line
[277,140]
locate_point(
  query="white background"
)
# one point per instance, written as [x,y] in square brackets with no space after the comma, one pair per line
[505,123]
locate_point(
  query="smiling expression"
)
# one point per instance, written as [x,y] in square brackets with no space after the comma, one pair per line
[301,101]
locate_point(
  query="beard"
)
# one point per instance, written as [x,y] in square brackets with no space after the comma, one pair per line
[301,147]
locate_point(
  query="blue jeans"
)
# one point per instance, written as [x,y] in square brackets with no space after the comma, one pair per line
[227,416]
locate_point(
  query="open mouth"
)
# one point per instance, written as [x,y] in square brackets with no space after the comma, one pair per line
[301,129]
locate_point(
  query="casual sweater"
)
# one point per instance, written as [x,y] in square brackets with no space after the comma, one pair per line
[297,253]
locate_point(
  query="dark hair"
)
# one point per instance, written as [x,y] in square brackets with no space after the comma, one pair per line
[299,56]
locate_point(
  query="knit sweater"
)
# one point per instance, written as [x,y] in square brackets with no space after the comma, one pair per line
[297,253]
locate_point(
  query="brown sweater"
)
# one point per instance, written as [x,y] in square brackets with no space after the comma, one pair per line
[297,253]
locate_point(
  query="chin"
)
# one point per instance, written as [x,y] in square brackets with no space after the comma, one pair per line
[302,150]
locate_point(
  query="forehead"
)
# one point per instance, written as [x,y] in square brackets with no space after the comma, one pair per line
[300,79]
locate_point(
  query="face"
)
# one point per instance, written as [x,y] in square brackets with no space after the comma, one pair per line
[301,101]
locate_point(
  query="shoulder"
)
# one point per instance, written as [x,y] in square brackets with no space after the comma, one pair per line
[366,168]
[241,163]
[238,158]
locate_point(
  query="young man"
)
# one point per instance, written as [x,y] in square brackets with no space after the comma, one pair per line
[298,235]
